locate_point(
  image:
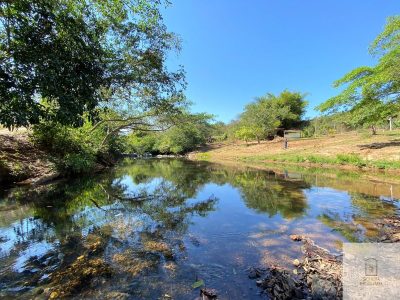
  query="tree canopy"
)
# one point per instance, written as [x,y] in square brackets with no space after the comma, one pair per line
[262,117]
[372,94]
[61,59]
[190,131]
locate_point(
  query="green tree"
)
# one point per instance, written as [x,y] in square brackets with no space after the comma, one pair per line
[371,94]
[62,58]
[262,117]
[245,133]
[296,103]
[192,131]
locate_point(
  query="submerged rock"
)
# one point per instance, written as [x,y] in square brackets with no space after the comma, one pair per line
[116,296]
[207,293]
[255,273]
[296,262]
[279,284]
[322,289]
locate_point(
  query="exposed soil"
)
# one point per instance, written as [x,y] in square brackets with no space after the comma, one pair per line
[22,162]
[384,145]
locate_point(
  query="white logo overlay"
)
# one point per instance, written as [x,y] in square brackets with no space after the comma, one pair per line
[371,271]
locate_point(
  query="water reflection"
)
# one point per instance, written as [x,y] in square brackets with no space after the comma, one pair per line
[150,228]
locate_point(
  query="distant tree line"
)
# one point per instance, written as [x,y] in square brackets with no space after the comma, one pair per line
[369,99]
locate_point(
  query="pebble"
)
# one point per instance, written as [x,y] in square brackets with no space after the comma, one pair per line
[296,262]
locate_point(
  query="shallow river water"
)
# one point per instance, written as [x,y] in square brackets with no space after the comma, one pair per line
[151,229]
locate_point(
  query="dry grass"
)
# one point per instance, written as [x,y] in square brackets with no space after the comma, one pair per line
[383,147]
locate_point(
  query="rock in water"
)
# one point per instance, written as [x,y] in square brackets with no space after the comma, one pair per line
[322,289]
[207,293]
[296,262]
[280,285]
[254,273]
[296,237]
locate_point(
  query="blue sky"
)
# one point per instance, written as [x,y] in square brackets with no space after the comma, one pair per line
[235,50]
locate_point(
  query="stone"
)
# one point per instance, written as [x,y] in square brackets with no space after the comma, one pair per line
[296,237]
[254,273]
[117,295]
[395,237]
[322,289]
[296,262]
[208,293]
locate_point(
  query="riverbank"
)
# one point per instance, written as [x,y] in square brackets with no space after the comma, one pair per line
[22,162]
[349,151]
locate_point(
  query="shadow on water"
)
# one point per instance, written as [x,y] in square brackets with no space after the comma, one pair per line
[149,229]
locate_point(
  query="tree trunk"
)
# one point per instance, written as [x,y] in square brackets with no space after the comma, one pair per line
[373,128]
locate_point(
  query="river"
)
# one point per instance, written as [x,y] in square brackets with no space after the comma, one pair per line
[157,228]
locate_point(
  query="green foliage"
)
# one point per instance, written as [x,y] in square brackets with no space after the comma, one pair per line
[73,55]
[76,150]
[219,132]
[68,145]
[140,143]
[245,133]
[179,140]
[371,94]
[297,104]
[351,159]
[329,125]
[340,159]
[77,163]
[192,131]
[197,284]
[175,140]
[261,118]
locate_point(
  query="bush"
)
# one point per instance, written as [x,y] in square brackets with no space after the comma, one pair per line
[179,140]
[141,143]
[352,158]
[72,149]
[76,163]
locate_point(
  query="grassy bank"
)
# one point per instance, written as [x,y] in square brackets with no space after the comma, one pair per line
[340,159]
[356,150]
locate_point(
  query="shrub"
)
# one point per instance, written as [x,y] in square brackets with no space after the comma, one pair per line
[72,149]
[352,158]
[76,163]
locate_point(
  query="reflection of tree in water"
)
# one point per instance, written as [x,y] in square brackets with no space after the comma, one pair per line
[101,223]
[185,176]
[345,227]
[373,207]
[267,194]
[361,224]
[146,229]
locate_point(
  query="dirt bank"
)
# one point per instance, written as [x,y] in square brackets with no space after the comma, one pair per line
[349,151]
[22,162]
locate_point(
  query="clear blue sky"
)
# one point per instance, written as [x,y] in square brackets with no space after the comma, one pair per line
[235,50]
